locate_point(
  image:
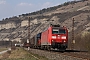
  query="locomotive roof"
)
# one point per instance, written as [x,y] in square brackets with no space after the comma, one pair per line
[59,27]
[55,25]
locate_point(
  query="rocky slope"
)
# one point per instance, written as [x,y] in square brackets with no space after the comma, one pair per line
[16,28]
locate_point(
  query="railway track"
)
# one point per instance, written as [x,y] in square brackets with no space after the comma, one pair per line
[67,55]
[78,54]
[75,53]
[83,57]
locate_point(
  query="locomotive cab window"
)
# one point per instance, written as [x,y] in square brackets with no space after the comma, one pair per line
[55,31]
[62,31]
[58,31]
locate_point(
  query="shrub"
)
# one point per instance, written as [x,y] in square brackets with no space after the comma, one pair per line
[83,41]
[9,52]
[88,17]
[13,48]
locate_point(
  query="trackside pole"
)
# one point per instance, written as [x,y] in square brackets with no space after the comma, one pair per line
[73,39]
[28,41]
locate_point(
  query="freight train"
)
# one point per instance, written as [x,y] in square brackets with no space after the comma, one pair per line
[54,37]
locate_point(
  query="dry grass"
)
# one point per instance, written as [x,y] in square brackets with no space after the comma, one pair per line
[2,49]
[21,54]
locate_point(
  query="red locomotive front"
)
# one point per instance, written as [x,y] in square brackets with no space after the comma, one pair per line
[59,37]
[55,37]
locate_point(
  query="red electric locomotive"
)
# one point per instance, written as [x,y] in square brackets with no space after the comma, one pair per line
[55,37]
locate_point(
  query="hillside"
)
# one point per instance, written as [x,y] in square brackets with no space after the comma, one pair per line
[16,28]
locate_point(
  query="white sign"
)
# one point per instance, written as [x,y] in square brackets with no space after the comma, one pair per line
[27,41]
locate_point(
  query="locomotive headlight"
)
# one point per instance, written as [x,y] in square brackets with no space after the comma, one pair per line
[54,37]
[63,37]
[52,40]
[64,41]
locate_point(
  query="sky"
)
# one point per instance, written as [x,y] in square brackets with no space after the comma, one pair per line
[10,8]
